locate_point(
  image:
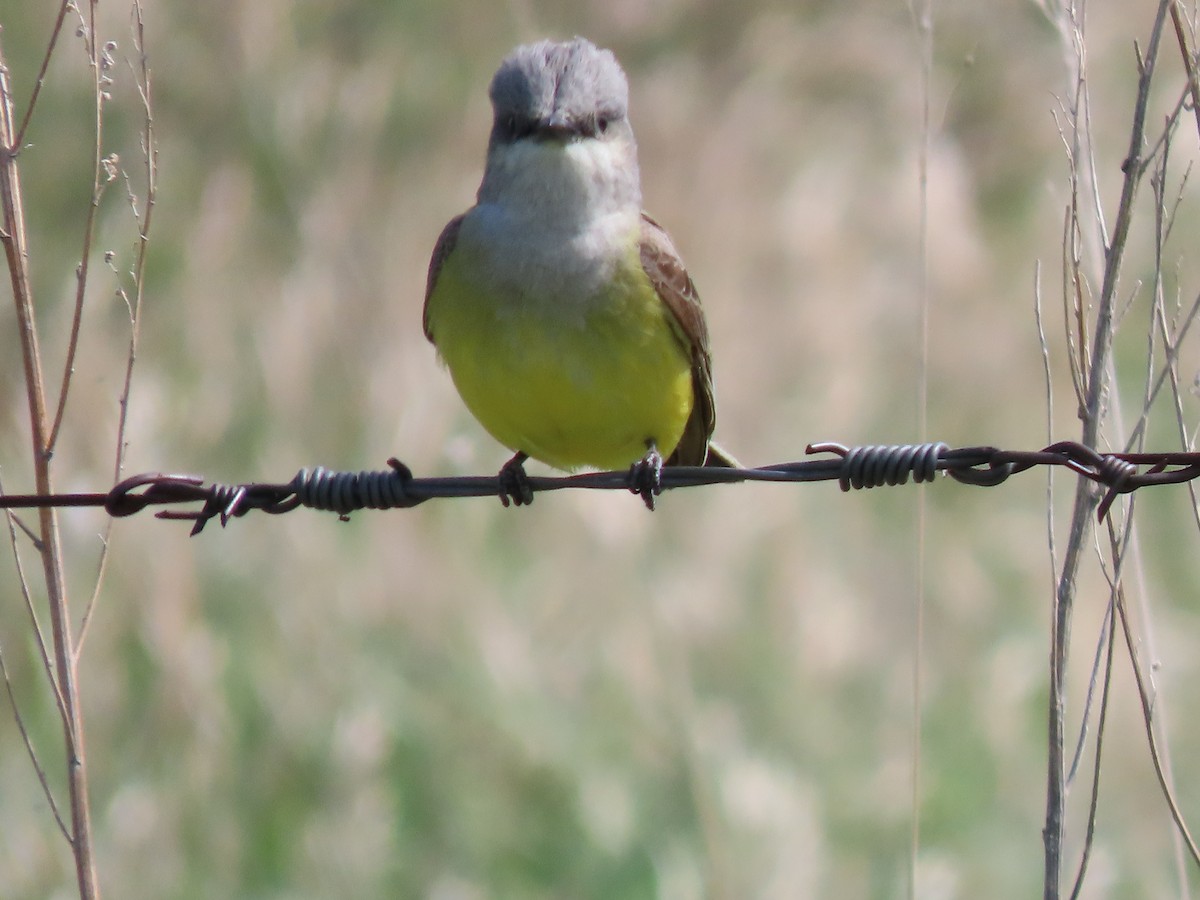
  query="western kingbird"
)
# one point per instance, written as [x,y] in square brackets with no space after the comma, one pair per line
[564,313]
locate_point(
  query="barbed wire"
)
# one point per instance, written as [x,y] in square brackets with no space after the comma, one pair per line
[854,468]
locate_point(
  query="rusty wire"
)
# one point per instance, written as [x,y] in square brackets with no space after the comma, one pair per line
[854,468]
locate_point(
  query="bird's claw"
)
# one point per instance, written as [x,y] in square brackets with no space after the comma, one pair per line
[645,477]
[514,483]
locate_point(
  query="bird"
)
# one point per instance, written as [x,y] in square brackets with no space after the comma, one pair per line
[564,313]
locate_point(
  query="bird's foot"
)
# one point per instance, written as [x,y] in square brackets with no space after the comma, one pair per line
[645,476]
[514,483]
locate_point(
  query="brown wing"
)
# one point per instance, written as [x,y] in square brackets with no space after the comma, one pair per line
[441,250]
[666,272]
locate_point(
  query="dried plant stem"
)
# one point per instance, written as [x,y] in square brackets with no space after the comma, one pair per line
[13,236]
[1092,411]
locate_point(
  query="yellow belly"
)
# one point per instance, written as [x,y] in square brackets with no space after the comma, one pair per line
[569,383]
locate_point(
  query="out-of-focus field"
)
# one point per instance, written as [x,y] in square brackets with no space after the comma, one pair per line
[581,699]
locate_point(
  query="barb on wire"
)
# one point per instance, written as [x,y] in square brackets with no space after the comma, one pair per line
[854,468]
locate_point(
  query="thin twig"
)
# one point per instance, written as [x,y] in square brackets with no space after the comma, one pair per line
[1090,696]
[48,667]
[1171,351]
[141,77]
[921,13]
[1189,61]
[1147,703]
[1052,833]
[1094,800]
[1049,382]
[99,180]
[47,792]
[38,634]
[19,140]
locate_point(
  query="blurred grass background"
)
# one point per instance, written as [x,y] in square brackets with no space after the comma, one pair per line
[579,699]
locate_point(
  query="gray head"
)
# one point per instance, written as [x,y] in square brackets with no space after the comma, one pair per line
[559,91]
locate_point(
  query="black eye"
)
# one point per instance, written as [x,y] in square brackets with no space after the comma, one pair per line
[602,124]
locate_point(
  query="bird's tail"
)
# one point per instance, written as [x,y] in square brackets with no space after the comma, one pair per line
[720,458]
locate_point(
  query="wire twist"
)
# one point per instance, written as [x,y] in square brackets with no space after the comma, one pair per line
[347,492]
[876,465]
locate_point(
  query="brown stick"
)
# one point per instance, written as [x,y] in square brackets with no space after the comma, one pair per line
[13,237]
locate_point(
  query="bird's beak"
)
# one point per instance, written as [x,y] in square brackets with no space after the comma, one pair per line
[557,127]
